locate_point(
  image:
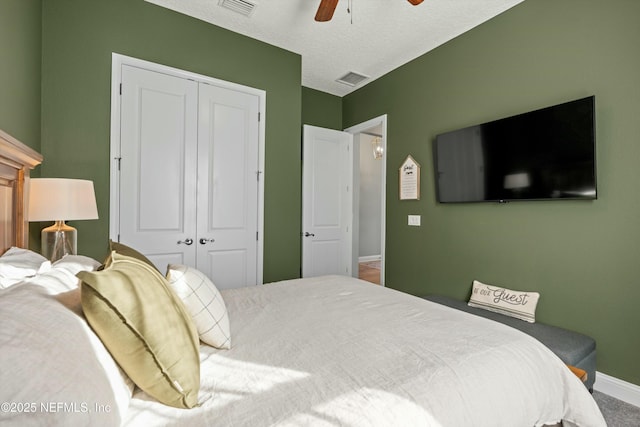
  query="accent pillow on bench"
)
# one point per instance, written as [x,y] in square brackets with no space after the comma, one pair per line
[518,304]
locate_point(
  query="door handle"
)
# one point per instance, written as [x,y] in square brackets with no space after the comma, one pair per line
[187,242]
[204,241]
[307,234]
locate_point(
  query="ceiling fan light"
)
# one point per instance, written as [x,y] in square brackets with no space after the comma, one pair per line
[415,2]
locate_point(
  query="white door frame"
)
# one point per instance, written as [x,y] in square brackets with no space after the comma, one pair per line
[377,121]
[117,60]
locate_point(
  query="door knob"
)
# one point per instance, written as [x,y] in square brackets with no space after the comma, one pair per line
[187,242]
[307,234]
[204,241]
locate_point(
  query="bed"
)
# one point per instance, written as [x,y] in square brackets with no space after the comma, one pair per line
[325,351]
[16,162]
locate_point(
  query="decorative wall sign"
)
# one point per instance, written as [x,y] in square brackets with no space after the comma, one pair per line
[410,179]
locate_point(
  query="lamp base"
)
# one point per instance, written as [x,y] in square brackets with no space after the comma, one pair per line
[58,240]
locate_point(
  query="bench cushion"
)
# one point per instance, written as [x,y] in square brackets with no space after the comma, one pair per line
[573,348]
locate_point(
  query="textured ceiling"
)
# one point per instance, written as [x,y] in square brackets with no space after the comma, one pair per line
[376,37]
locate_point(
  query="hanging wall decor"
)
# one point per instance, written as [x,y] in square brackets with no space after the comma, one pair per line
[410,179]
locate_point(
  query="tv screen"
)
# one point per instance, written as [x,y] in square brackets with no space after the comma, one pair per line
[546,154]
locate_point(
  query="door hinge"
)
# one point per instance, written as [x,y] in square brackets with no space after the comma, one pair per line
[259,115]
[258,175]
[120,88]
[257,236]
[118,159]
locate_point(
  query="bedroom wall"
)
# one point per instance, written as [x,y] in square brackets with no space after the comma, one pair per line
[581,256]
[321,109]
[20,44]
[78,39]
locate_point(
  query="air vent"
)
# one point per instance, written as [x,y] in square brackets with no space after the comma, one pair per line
[352,79]
[243,7]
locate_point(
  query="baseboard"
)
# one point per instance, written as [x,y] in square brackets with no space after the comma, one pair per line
[617,388]
[369,258]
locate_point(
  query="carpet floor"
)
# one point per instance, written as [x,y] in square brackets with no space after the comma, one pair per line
[616,412]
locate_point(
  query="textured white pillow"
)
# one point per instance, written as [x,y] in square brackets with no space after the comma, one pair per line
[55,370]
[204,303]
[518,304]
[17,264]
[61,277]
[76,263]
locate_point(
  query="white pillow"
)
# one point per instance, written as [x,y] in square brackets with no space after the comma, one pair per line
[61,277]
[518,304]
[203,302]
[76,263]
[17,264]
[54,368]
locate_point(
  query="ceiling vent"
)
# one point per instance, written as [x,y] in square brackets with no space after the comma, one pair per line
[243,7]
[352,79]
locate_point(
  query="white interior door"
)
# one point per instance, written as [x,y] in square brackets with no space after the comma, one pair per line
[327,201]
[158,150]
[228,180]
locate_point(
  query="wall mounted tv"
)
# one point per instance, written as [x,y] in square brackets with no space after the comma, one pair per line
[546,154]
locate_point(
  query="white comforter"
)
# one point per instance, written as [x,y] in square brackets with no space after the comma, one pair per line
[335,351]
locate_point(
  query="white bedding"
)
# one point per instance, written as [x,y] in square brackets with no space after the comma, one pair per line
[337,351]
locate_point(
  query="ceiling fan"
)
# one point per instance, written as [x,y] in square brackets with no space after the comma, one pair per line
[327,7]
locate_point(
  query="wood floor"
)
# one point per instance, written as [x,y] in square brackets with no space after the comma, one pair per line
[369,271]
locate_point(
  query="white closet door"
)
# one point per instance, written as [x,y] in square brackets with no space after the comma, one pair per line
[228,186]
[158,165]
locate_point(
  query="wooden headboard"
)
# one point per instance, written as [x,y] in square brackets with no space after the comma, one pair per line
[16,162]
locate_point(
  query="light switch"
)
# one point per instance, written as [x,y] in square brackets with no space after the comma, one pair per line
[414,220]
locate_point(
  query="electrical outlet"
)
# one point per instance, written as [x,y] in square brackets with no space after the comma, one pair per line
[414,220]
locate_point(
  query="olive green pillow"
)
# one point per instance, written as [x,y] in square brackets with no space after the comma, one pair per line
[145,327]
[123,249]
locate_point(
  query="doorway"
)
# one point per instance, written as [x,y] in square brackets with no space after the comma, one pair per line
[331,233]
[370,145]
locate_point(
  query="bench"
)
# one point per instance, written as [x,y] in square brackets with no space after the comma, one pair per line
[573,348]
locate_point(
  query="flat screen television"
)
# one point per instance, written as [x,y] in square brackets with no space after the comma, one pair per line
[546,154]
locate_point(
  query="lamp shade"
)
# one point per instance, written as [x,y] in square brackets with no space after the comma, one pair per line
[54,199]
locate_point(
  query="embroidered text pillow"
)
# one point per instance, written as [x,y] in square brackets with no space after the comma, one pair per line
[518,304]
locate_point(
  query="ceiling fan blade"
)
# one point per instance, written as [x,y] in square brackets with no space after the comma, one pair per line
[415,2]
[325,10]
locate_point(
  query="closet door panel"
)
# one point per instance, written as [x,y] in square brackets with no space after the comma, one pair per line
[229,267]
[228,173]
[158,165]
[228,186]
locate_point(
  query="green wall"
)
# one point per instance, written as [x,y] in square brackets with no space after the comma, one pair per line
[20,44]
[583,257]
[78,39]
[321,109]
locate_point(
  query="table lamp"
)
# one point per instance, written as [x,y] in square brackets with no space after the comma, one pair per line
[60,200]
